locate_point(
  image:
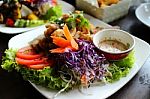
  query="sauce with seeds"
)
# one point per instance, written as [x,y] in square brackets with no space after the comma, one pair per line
[113,46]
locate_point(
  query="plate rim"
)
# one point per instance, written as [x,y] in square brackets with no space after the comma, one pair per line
[138,16]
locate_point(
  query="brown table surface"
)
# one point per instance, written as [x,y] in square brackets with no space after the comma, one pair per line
[12,86]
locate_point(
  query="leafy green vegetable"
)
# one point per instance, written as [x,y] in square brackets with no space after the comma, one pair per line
[120,68]
[53,13]
[77,20]
[47,78]
[8,61]
[127,62]
[44,77]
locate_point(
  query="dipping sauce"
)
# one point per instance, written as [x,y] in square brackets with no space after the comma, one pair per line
[112,46]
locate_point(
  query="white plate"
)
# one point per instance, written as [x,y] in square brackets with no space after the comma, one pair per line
[142,51]
[14,30]
[66,7]
[143,13]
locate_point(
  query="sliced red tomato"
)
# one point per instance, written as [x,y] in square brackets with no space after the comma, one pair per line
[27,53]
[38,66]
[31,62]
[28,57]
[27,49]
[10,22]
[41,66]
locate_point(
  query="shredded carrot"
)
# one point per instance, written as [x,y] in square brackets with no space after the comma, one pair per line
[83,79]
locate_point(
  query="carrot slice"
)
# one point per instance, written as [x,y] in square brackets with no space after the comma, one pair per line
[84,80]
[67,33]
[57,50]
[61,50]
[64,44]
[74,44]
[61,42]
[70,38]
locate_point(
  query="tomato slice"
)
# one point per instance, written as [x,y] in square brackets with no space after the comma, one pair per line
[38,66]
[28,57]
[41,66]
[21,61]
[27,53]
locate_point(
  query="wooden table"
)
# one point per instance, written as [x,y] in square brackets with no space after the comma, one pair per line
[12,86]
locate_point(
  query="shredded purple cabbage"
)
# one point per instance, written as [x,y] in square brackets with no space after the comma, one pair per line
[85,61]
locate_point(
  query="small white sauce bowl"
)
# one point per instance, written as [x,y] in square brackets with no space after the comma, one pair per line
[114,34]
[143,13]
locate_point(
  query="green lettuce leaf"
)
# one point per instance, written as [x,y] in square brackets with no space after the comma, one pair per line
[8,61]
[119,69]
[43,77]
[53,13]
[82,21]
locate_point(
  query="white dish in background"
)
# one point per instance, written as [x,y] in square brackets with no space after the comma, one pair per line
[142,51]
[106,14]
[143,13]
[15,30]
[97,22]
[66,7]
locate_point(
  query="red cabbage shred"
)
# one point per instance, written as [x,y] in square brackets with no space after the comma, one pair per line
[85,61]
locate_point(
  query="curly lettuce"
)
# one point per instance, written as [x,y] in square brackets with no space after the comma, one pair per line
[119,69]
[47,78]
[53,13]
[8,61]
[43,77]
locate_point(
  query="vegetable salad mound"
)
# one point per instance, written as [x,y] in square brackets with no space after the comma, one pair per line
[65,57]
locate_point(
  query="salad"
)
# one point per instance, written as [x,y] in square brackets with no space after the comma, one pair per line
[28,13]
[64,57]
